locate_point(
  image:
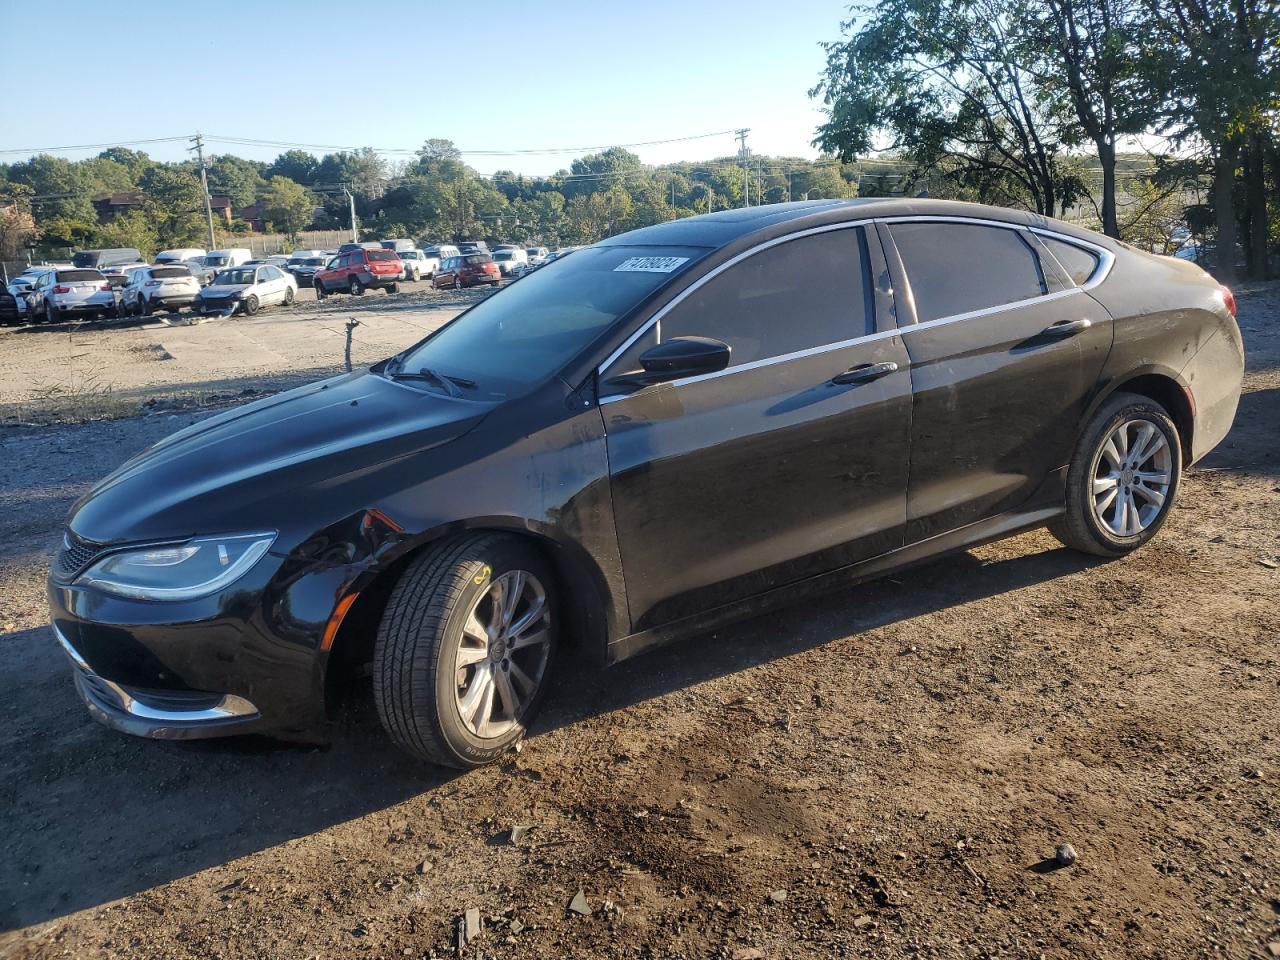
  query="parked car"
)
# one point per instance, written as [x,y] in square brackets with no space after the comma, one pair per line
[473,246]
[148,289]
[631,430]
[305,269]
[441,251]
[111,257]
[399,246]
[509,260]
[222,259]
[246,289]
[536,254]
[70,293]
[118,274]
[182,255]
[299,256]
[358,270]
[364,245]
[467,270]
[10,311]
[417,265]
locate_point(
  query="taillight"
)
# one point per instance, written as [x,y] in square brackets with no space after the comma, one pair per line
[105,286]
[61,289]
[152,283]
[1229,299]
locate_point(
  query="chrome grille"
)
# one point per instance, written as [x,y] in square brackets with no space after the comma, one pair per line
[74,555]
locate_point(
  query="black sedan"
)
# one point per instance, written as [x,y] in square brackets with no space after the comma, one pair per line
[677,427]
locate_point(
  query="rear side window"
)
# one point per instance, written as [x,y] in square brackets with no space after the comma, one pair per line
[1078,263]
[71,276]
[804,293]
[955,268]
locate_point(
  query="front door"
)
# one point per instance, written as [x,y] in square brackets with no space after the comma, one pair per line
[729,484]
[1005,356]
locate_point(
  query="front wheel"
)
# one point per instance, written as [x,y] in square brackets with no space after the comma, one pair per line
[356,287]
[1122,479]
[320,293]
[251,304]
[288,295]
[465,648]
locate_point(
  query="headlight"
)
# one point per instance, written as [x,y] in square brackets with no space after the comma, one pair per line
[180,571]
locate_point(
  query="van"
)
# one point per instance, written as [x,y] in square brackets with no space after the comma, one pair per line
[222,259]
[112,257]
[399,246]
[179,255]
[442,251]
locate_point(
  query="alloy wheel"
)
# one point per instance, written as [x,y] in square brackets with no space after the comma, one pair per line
[1132,474]
[502,655]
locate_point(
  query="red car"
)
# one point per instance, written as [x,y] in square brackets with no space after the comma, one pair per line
[468,270]
[359,270]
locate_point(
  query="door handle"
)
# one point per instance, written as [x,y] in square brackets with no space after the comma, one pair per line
[865,372]
[1067,328]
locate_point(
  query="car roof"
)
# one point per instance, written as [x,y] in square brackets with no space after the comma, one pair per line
[724,227]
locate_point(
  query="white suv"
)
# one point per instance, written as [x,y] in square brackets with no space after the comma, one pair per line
[148,289]
[74,292]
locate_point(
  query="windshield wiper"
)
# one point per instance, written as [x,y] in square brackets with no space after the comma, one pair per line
[450,384]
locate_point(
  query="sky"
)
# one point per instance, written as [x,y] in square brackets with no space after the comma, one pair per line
[498,76]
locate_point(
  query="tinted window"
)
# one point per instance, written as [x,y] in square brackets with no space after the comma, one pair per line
[958,267]
[803,293]
[162,272]
[1078,263]
[520,335]
[476,258]
[381,255]
[71,276]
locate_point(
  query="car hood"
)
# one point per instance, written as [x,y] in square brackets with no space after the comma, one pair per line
[226,289]
[284,459]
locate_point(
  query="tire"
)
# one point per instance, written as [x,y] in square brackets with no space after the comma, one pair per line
[288,296]
[251,305]
[320,294]
[1103,462]
[393,288]
[144,308]
[420,689]
[50,313]
[355,287]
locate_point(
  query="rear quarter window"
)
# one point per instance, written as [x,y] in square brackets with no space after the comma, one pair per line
[1078,263]
[956,268]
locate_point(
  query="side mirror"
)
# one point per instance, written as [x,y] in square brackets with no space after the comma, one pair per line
[677,358]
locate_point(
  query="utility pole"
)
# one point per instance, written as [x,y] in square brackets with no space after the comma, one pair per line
[788,186]
[351,199]
[198,140]
[743,154]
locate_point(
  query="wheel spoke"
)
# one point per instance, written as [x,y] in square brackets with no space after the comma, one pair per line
[1103,484]
[1151,495]
[1156,477]
[1149,440]
[513,591]
[522,679]
[475,629]
[484,714]
[1121,439]
[530,616]
[467,655]
[481,680]
[1106,501]
[1111,454]
[1133,525]
[530,639]
[507,694]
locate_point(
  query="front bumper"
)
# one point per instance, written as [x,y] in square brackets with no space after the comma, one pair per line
[173,300]
[158,714]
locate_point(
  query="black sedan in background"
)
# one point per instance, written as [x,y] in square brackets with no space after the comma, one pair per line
[677,427]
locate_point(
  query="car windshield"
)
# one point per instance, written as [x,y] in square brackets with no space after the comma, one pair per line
[314,261]
[220,261]
[234,276]
[517,337]
[408,254]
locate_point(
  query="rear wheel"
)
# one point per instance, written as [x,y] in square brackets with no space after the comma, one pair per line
[356,287]
[393,288]
[288,295]
[465,648]
[1122,479]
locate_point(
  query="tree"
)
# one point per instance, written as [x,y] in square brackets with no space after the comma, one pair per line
[298,165]
[1090,52]
[238,179]
[132,229]
[173,204]
[947,81]
[288,207]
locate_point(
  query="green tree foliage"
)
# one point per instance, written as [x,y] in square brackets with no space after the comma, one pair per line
[173,204]
[288,206]
[133,229]
[298,165]
[238,179]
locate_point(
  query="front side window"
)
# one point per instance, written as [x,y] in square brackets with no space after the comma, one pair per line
[804,293]
[956,268]
[519,336]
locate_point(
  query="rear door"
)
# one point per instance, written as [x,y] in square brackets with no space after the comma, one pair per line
[1005,354]
[729,484]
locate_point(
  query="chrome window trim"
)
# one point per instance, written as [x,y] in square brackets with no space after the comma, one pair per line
[1106,259]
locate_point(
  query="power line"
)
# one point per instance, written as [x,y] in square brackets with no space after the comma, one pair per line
[92,146]
[413,151]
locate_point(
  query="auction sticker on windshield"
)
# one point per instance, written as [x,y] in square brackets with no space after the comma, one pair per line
[649,264]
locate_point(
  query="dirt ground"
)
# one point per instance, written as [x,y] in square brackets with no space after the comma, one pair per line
[884,773]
